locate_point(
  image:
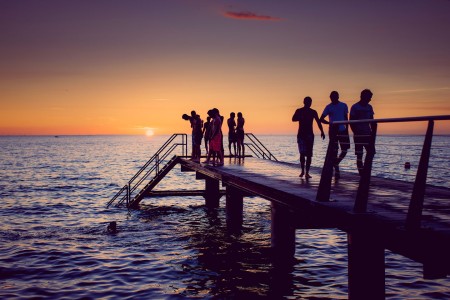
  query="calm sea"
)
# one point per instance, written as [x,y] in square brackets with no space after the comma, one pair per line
[54,243]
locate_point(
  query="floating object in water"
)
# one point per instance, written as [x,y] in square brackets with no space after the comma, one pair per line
[112,227]
[407,165]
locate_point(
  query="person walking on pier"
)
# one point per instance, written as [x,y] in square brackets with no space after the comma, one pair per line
[363,133]
[337,111]
[232,133]
[240,134]
[305,136]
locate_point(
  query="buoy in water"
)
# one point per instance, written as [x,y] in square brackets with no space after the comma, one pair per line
[407,165]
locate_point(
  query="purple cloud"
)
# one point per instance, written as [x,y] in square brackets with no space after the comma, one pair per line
[247,15]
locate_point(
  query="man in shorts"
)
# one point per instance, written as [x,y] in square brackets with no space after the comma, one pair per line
[363,133]
[337,111]
[305,136]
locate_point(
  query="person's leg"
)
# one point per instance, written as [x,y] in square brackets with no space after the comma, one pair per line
[308,165]
[359,153]
[234,146]
[359,162]
[210,152]
[344,144]
[302,164]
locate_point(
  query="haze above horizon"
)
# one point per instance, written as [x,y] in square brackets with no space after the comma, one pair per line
[132,67]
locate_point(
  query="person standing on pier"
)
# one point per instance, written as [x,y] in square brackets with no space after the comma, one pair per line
[337,111]
[232,133]
[240,135]
[305,136]
[197,134]
[207,133]
[363,133]
[215,143]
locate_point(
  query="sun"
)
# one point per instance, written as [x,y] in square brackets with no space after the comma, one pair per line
[149,132]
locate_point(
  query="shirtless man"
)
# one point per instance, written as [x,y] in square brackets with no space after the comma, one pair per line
[305,136]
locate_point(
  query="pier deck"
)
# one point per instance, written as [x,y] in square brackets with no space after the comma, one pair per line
[384,220]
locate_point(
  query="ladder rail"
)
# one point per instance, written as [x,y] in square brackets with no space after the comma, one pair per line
[149,167]
[261,149]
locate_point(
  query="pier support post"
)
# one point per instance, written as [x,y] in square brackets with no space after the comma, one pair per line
[366,270]
[212,193]
[283,232]
[234,209]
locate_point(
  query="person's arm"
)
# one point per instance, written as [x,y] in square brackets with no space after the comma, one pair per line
[373,126]
[352,117]
[346,119]
[319,124]
[323,116]
[296,116]
[322,119]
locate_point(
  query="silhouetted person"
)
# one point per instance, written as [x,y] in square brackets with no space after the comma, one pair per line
[232,133]
[215,143]
[112,227]
[305,136]
[207,133]
[240,134]
[363,133]
[337,111]
[197,134]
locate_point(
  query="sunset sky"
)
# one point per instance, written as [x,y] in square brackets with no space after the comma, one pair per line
[122,67]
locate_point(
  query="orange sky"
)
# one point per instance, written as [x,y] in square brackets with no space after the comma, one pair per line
[115,67]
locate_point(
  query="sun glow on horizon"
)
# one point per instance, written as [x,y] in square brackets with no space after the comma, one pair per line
[149,132]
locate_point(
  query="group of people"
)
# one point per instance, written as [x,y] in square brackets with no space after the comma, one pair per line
[211,132]
[363,133]
[236,135]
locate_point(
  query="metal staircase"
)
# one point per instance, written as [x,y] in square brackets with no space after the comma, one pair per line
[155,169]
[258,148]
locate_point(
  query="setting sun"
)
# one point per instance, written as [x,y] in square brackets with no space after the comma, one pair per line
[149,132]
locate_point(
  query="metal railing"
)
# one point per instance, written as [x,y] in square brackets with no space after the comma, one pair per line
[258,148]
[152,166]
[414,215]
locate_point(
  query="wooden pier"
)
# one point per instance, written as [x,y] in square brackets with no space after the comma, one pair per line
[411,219]
[294,206]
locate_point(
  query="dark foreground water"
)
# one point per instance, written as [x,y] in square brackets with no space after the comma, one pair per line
[54,243]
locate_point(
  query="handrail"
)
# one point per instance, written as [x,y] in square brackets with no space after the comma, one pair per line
[395,120]
[154,162]
[258,148]
[414,215]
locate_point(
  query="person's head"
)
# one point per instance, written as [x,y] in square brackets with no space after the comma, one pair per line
[334,96]
[210,113]
[215,111]
[239,115]
[307,101]
[366,95]
[232,115]
[193,113]
[208,118]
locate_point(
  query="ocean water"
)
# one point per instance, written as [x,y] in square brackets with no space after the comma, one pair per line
[54,243]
